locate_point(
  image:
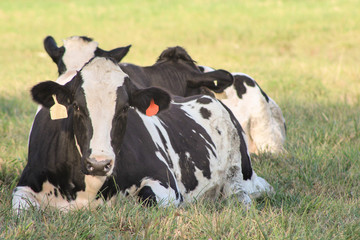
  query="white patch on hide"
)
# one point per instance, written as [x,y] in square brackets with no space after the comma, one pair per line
[102,78]
[152,124]
[24,197]
[226,146]
[164,196]
[257,186]
[78,52]
[66,77]
[262,122]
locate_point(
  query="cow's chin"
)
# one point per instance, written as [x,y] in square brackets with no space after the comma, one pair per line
[108,174]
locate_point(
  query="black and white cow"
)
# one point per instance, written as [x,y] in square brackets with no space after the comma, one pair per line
[76,51]
[259,115]
[108,145]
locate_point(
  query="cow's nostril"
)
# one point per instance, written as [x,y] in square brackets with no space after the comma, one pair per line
[107,167]
[89,167]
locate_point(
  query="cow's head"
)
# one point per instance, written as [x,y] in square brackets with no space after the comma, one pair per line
[216,80]
[97,100]
[77,51]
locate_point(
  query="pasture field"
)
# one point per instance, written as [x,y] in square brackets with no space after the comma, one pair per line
[304,54]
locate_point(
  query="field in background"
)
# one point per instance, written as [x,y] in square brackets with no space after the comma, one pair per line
[304,54]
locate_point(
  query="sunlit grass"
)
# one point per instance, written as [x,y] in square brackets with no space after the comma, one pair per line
[304,54]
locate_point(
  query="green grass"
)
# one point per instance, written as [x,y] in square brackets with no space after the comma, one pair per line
[304,54]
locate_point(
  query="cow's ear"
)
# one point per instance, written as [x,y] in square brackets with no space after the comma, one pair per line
[43,92]
[216,81]
[118,53]
[150,101]
[52,49]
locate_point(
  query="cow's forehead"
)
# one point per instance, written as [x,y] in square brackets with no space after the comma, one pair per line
[102,76]
[78,51]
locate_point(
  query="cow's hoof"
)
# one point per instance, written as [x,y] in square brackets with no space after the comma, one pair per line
[243,198]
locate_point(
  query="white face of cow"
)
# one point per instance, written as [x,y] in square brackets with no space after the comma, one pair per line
[101,80]
[78,51]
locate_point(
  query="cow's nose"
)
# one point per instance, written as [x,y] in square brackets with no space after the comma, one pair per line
[98,168]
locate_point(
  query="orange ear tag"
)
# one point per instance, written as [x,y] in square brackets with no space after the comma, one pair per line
[152,109]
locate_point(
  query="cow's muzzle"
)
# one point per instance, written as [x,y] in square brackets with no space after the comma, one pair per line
[98,168]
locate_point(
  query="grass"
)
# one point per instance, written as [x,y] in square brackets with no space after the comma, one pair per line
[304,54]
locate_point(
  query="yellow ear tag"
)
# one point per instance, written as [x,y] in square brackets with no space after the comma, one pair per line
[58,111]
[215,82]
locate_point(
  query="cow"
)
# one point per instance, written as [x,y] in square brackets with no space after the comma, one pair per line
[105,145]
[177,72]
[76,51]
[259,115]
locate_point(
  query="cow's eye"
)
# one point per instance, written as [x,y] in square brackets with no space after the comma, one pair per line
[125,108]
[76,107]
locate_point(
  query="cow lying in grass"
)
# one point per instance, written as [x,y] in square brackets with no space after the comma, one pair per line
[258,114]
[105,144]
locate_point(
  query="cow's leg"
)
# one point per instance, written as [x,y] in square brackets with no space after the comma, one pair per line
[147,196]
[244,190]
[257,186]
[154,192]
[248,180]
[233,187]
[23,198]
